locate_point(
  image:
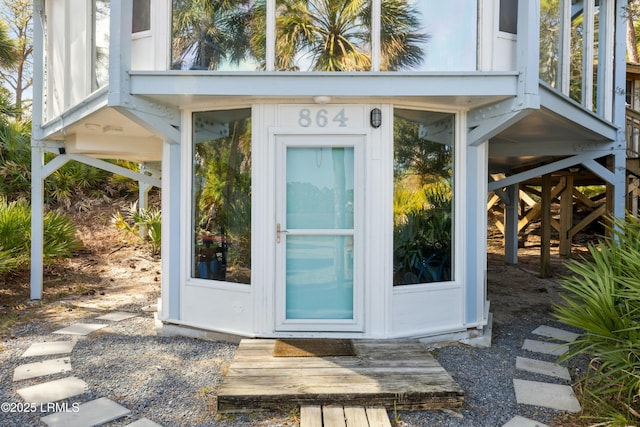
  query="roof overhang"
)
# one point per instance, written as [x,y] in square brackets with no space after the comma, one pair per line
[559,129]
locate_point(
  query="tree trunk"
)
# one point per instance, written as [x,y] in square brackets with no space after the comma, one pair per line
[632,47]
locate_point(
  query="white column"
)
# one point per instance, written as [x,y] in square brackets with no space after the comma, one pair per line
[171,239]
[37,221]
[474,238]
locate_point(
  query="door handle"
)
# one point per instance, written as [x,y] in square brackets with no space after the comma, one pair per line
[278,231]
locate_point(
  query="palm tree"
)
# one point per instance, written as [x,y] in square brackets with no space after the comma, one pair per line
[335,35]
[210,33]
[8,53]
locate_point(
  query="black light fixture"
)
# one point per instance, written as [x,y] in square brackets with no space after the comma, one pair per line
[376,118]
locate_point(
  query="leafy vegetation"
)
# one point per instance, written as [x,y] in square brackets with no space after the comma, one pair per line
[422,235]
[148,220]
[15,237]
[603,300]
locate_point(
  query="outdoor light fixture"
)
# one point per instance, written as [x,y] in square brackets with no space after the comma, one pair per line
[321,99]
[376,118]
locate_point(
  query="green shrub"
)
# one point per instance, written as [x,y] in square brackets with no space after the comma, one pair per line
[603,299]
[15,235]
[149,220]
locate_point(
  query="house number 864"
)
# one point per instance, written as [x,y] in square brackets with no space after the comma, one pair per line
[321,118]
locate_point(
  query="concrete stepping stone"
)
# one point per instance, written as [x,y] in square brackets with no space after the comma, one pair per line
[519,421]
[95,412]
[53,391]
[49,348]
[144,422]
[544,368]
[545,347]
[80,329]
[117,316]
[40,369]
[556,333]
[555,396]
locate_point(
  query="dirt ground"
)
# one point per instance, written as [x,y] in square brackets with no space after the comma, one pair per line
[115,269]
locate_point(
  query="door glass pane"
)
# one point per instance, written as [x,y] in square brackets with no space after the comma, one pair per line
[319,277]
[319,188]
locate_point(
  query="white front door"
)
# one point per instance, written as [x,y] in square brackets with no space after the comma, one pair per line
[319,200]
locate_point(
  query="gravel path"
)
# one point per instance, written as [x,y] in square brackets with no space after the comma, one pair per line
[173,381]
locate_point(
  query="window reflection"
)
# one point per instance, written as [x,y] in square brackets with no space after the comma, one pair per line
[550,33]
[101,40]
[222,195]
[210,35]
[323,35]
[449,34]
[423,197]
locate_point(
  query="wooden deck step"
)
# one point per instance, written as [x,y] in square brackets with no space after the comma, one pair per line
[343,416]
[398,374]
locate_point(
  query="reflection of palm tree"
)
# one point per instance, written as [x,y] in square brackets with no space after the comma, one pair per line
[208,33]
[335,35]
[327,35]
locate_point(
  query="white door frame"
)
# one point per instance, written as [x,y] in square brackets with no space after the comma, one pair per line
[280,139]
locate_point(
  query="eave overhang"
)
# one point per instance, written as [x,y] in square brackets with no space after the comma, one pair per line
[458,90]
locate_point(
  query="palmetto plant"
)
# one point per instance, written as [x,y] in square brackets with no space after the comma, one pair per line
[148,220]
[603,299]
[15,237]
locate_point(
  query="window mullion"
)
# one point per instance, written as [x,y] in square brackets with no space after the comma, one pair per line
[375,34]
[271,36]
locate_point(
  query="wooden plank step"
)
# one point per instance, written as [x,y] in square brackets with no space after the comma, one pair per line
[402,375]
[343,416]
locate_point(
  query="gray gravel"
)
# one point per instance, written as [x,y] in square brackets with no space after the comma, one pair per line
[173,381]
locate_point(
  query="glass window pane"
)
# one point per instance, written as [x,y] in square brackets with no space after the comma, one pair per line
[217,35]
[319,277]
[141,16]
[577,55]
[319,187]
[550,42]
[509,16]
[101,47]
[323,35]
[222,195]
[438,35]
[423,197]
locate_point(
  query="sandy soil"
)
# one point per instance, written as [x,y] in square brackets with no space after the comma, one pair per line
[116,269]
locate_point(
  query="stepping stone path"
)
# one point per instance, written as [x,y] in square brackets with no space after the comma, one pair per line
[94,412]
[543,394]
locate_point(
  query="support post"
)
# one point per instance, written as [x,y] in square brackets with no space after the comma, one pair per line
[512,200]
[171,227]
[37,221]
[545,243]
[566,217]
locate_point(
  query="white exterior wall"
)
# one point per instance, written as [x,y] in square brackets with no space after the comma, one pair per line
[389,311]
[150,50]
[496,49]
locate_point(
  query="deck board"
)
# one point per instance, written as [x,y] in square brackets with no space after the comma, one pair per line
[391,374]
